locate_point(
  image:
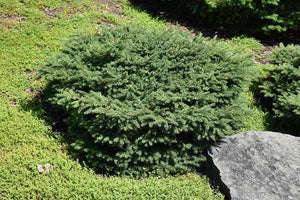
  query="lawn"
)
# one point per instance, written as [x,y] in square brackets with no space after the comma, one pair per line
[31,30]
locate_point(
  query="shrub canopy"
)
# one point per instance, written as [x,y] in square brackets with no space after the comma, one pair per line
[289,54]
[280,90]
[142,101]
[264,16]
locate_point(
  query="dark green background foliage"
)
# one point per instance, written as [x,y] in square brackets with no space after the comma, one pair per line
[147,101]
[265,16]
[281,88]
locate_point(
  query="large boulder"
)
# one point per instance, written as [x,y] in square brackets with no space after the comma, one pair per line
[256,165]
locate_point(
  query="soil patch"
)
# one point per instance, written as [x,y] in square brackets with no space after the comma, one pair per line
[112,6]
[9,21]
[52,13]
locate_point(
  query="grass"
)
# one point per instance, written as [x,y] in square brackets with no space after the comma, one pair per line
[30,30]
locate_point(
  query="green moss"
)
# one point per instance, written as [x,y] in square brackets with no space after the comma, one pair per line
[247,43]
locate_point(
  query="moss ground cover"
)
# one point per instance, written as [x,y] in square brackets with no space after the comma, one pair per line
[29,31]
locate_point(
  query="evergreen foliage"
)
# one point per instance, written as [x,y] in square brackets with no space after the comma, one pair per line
[280,89]
[289,54]
[147,101]
[265,16]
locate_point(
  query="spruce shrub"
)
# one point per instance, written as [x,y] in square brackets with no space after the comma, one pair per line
[146,101]
[280,88]
[289,54]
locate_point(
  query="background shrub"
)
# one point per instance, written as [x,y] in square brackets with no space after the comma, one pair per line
[146,101]
[286,55]
[280,88]
[265,16]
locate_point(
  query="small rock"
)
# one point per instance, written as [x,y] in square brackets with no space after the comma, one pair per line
[46,169]
[40,168]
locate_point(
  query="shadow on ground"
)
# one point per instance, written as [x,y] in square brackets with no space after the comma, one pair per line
[195,23]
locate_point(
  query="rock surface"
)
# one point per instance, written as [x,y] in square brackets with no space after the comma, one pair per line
[256,165]
[46,169]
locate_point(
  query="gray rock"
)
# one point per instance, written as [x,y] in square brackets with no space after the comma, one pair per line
[40,168]
[47,168]
[256,165]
